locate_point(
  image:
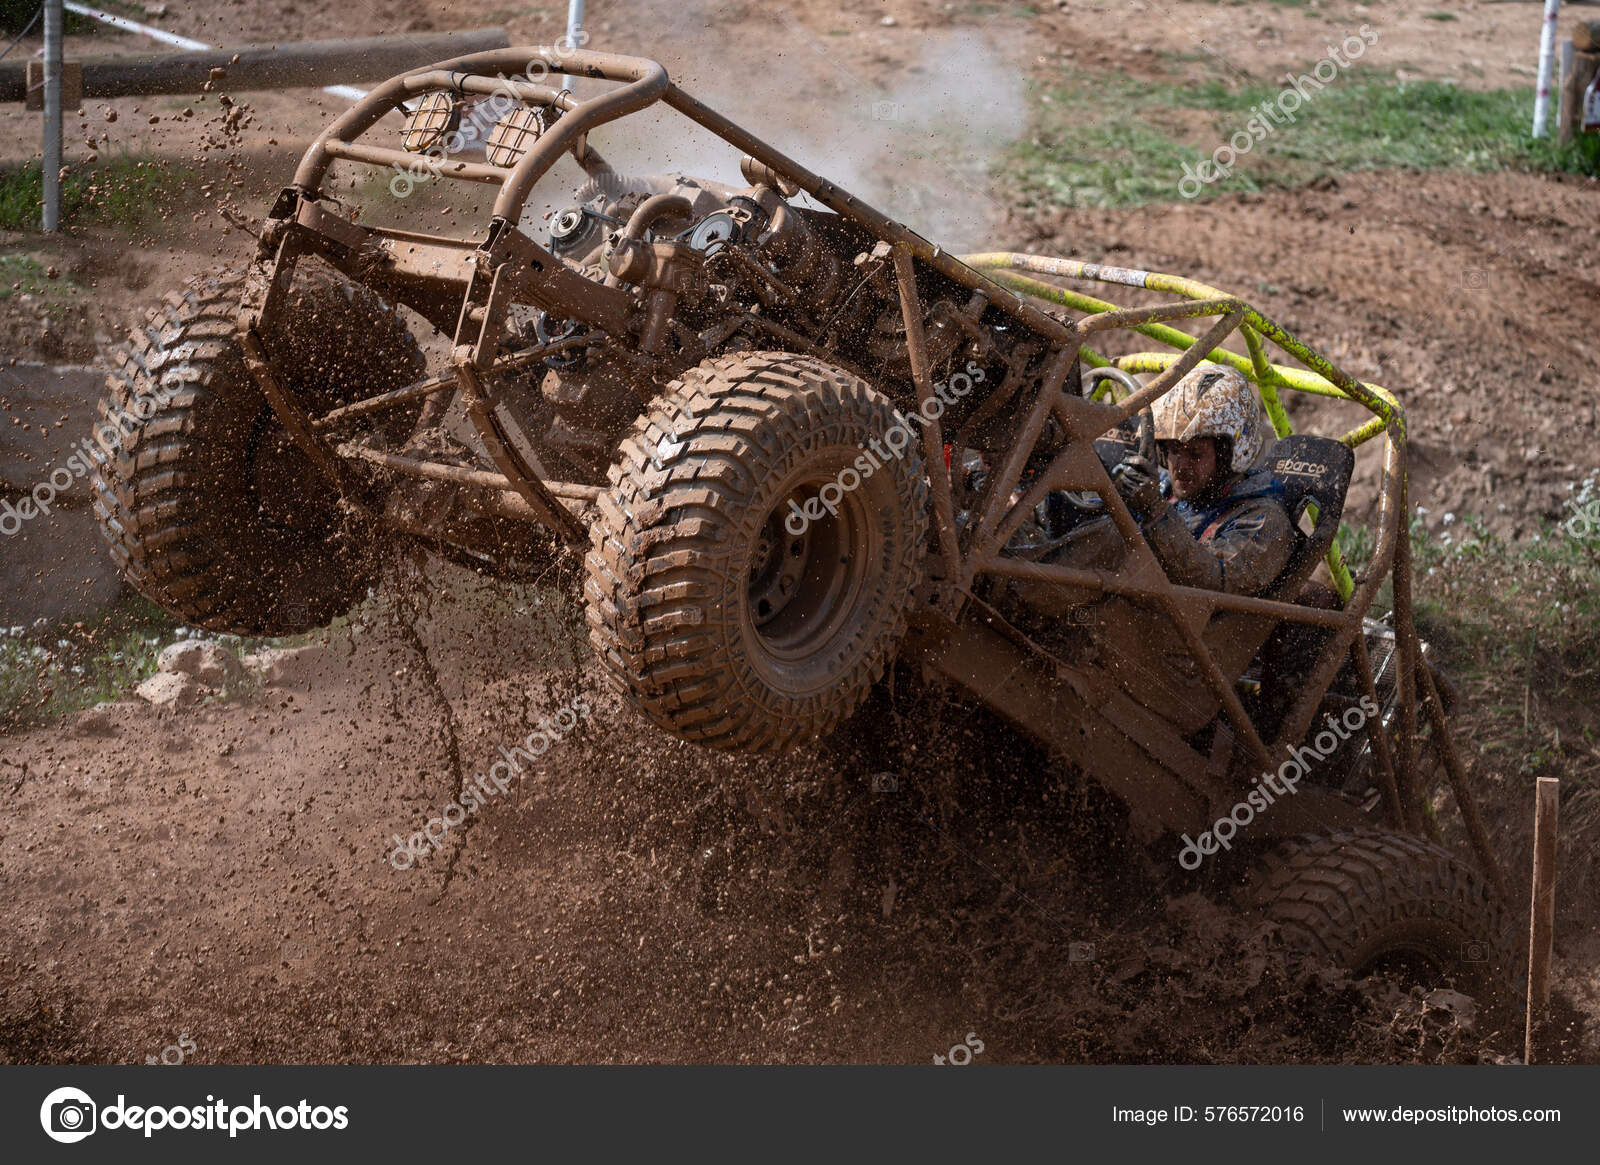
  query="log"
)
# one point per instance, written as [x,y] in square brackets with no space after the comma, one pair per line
[303,64]
[71,85]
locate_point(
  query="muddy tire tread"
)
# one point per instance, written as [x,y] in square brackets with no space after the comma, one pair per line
[147,495]
[1338,894]
[657,548]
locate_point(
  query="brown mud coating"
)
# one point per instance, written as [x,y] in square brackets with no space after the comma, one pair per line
[225,872]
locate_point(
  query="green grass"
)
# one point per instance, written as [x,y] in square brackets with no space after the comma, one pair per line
[1548,585]
[57,668]
[31,273]
[1516,625]
[27,274]
[1119,141]
[123,191]
[54,668]
[1521,624]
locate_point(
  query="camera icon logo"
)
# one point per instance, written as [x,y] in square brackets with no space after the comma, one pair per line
[887,111]
[68,1115]
[885,783]
[1475,952]
[1475,278]
[1080,952]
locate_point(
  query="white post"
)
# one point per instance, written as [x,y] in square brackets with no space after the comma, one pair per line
[574,27]
[52,115]
[1547,60]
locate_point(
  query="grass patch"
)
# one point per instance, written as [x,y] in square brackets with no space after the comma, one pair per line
[52,669]
[1119,141]
[125,192]
[61,301]
[28,275]
[1547,588]
[1517,625]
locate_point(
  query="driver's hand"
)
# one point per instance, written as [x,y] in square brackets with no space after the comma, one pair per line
[1139,483]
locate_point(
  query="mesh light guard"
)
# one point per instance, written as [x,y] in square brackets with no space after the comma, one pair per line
[512,136]
[434,117]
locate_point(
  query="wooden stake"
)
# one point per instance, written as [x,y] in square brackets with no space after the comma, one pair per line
[1541,927]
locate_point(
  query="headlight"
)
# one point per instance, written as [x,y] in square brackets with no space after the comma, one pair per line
[512,136]
[434,117]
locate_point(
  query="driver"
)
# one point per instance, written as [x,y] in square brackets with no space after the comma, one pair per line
[1226,529]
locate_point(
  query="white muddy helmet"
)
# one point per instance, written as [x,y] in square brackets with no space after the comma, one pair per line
[1213,401]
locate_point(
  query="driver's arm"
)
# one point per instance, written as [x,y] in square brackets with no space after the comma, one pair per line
[1243,557]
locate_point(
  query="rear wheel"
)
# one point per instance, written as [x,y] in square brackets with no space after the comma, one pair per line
[753,563]
[211,511]
[1376,902]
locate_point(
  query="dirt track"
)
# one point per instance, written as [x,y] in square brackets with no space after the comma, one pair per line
[226,872]
[1471,297]
[230,874]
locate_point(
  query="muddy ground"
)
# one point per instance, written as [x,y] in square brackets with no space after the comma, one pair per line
[228,873]
[234,874]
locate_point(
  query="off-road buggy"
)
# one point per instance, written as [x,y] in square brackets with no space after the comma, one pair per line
[697,386]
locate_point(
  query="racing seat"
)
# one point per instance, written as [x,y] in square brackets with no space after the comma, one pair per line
[1315,471]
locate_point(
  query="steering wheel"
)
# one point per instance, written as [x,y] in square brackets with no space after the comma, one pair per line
[1145,440]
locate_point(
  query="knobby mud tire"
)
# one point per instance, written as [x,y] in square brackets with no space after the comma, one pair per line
[688,603]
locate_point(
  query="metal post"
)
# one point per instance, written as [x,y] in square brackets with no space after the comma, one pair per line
[574,27]
[1547,60]
[52,115]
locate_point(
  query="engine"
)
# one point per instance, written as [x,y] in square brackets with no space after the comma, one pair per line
[713,267]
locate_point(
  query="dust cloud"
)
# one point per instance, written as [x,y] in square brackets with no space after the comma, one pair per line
[919,143]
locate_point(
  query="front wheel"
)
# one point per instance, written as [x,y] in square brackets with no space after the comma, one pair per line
[753,564]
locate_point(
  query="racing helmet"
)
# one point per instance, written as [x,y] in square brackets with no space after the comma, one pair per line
[1214,401]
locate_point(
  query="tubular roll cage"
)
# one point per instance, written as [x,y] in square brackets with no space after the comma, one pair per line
[508,266]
